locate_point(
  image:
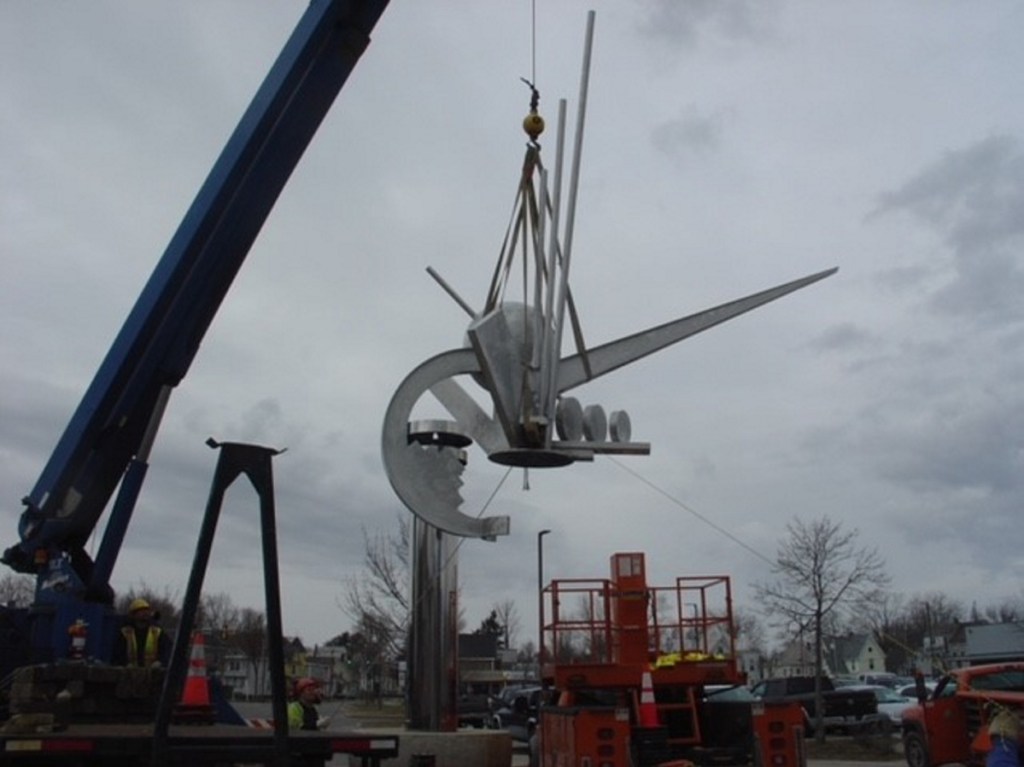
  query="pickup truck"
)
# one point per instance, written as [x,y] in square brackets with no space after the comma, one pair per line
[473,710]
[950,723]
[849,711]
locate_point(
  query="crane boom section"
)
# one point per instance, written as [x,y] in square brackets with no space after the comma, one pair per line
[162,334]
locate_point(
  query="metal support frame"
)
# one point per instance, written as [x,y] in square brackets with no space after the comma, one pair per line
[255,462]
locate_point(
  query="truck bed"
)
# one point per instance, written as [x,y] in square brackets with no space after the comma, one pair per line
[132,744]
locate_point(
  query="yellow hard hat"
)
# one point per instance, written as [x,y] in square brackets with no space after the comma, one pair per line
[138,604]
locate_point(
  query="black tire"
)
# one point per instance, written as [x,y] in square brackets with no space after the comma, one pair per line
[915,749]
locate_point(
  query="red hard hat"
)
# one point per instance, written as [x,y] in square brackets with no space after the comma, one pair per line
[305,682]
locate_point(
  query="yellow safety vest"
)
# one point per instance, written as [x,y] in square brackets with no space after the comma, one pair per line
[151,650]
[302,717]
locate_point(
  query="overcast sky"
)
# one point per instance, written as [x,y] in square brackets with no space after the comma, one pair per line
[730,146]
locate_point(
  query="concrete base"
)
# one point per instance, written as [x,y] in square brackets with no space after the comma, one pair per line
[465,748]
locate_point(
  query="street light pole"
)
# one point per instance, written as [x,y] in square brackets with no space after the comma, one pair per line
[540,605]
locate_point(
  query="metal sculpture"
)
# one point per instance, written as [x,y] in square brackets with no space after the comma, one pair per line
[514,352]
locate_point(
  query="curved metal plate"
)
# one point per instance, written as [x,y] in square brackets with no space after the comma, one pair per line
[427,478]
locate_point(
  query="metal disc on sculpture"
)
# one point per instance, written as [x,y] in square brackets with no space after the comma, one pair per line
[438,432]
[569,419]
[531,458]
[619,426]
[595,424]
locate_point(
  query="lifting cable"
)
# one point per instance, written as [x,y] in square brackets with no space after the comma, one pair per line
[718,528]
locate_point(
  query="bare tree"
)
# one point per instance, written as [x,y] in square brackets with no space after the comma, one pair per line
[820,574]
[590,641]
[886,619]
[669,637]
[928,622]
[369,648]
[527,653]
[17,590]
[378,599]
[218,614]
[1010,610]
[508,617]
[250,636]
[749,631]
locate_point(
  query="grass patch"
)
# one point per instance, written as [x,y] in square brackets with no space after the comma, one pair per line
[876,748]
[371,714]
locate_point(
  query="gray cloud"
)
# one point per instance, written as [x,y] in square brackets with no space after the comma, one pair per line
[690,132]
[973,199]
[844,336]
[686,22]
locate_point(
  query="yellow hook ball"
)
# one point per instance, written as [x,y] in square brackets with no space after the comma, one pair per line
[533,124]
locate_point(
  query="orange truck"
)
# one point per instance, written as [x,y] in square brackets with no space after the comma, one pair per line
[641,676]
[949,724]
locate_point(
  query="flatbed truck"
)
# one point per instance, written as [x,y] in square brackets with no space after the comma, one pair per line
[129,745]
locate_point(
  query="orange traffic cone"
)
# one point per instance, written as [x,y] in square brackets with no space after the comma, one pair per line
[195,698]
[648,713]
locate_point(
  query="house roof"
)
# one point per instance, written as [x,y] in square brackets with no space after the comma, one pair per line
[995,641]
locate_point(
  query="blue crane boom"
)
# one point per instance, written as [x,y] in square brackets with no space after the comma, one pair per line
[106,443]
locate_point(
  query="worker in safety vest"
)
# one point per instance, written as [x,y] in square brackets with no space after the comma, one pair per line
[1004,732]
[142,643]
[302,713]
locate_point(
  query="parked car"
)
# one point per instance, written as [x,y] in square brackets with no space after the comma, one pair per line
[844,680]
[879,678]
[910,690]
[519,716]
[890,702]
[503,698]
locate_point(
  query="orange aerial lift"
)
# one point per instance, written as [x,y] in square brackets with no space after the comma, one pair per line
[640,676]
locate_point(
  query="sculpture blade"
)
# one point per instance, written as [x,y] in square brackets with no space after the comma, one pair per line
[615,354]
